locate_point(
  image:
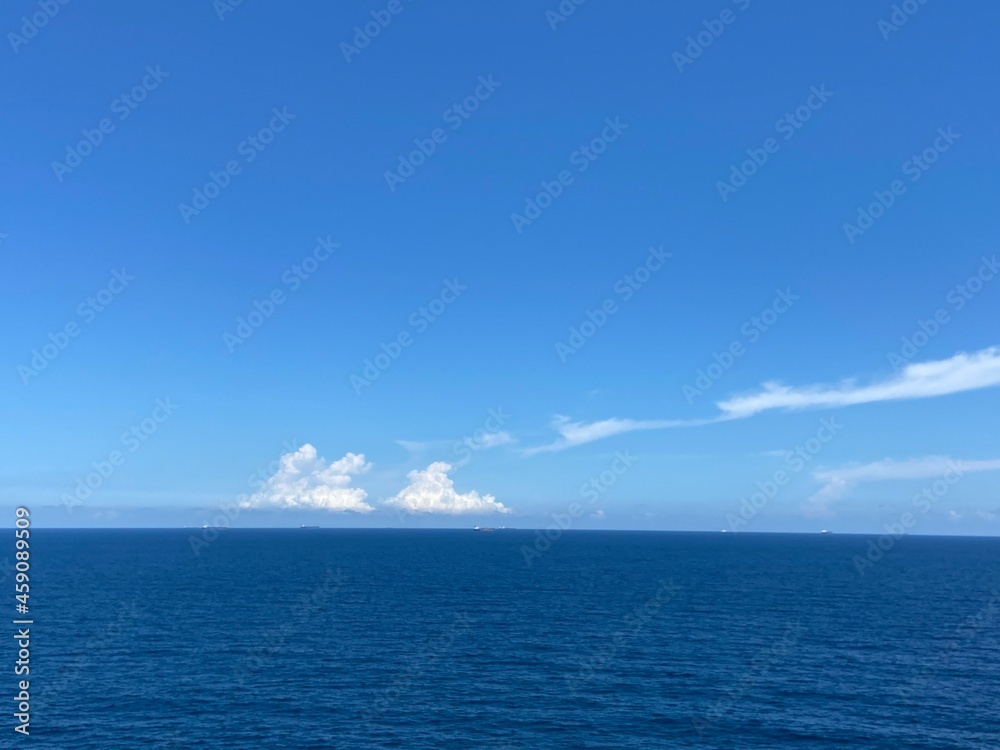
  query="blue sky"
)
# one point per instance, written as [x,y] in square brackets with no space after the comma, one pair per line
[701,202]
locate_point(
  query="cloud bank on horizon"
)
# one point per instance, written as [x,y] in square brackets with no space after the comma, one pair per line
[962,372]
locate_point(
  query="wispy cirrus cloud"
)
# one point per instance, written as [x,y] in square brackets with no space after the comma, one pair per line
[482,440]
[492,440]
[963,372]
[838,483]
[957,374]
[414,446]
[577,433]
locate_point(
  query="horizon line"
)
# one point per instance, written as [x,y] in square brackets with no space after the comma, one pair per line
[821,532]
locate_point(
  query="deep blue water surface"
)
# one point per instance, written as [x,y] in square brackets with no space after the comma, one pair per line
[449,639]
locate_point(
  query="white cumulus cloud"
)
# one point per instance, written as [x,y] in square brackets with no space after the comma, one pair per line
[306,480]
[431,490]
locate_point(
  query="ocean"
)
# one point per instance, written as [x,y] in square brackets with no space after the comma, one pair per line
[436,639]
